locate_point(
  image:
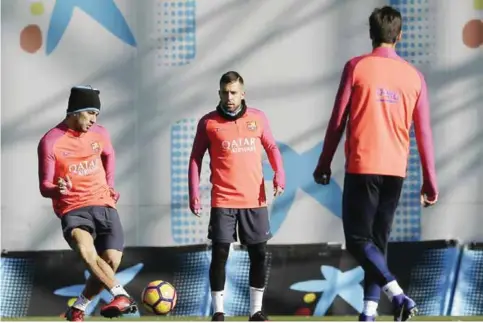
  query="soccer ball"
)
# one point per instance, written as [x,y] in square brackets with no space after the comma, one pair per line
[159,297]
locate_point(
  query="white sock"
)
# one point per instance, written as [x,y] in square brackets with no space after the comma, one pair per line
[118,290]
[370,308]
[81,303]
[217,302]
[392,289]
[256,299]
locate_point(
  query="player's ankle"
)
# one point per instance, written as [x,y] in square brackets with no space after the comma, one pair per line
[370,308]
[256,299]
[217,301]
[118,290]
[392,289]
[81,303]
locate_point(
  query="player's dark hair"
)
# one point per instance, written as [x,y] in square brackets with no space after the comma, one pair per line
[385,25]
[230,77]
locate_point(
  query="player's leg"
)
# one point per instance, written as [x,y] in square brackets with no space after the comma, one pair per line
[372,291]
[84,245]
[254,231]
[358,213]
[109,243]
[79,230]
[361,197]
[381,229]
[222,232]
[93,286]
[404,307]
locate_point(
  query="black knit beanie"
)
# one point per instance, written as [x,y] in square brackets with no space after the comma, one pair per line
[84,98]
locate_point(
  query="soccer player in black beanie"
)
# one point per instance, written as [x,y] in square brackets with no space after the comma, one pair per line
[76,171]
[83,107]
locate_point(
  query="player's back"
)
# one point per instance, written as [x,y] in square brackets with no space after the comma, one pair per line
[385,91]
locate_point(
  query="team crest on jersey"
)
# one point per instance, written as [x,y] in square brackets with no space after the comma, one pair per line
[252,125]
[95,146]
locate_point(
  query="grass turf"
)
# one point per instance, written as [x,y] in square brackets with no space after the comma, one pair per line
[244,318]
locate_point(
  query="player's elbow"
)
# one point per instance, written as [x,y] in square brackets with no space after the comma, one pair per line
[194,164]
[196,158]
[272,151]
[43,191]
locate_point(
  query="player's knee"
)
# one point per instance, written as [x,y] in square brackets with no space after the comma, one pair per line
[112,258]
[84,244]
[219,253]
[356,245]
[257,252]
[88,254]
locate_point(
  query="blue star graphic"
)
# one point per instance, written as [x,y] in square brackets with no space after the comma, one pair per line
[344,284]
[298,172]
[105,12]
[123,277]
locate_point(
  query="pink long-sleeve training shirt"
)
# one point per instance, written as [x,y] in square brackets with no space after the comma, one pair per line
[379,96]
[88,159]
[236,151]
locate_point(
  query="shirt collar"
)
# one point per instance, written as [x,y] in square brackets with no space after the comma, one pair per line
[384,52]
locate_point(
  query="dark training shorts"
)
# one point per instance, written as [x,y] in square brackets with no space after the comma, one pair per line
[253,225]
[369,204]
[101,222]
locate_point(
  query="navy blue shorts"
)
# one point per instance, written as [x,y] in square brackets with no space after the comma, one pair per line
[369,204]
[253,225]
[102,222]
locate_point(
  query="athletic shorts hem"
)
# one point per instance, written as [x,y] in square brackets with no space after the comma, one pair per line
[222,240]
[252,242]
[103,248]
[240,207]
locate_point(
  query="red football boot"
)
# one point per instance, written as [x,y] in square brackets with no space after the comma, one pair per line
[121,304]
[74,315]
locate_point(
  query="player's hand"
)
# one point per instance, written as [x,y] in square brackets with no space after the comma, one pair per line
[429,194]
[64,185]
[277,191]
[115,195]
[195,207]
[322,176]
[427,201]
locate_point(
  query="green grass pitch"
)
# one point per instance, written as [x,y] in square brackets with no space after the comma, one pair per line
[243,318]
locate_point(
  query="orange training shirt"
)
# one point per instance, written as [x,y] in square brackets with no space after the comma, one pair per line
[89,161]
[236,151]
[379,97]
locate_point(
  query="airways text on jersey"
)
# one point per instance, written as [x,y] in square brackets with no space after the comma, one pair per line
[239,145]
[85,167]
